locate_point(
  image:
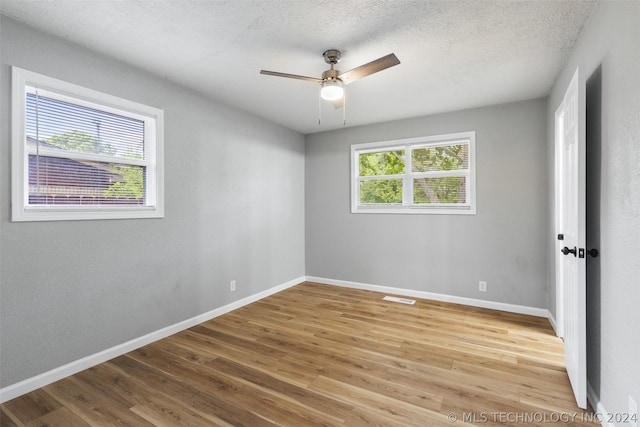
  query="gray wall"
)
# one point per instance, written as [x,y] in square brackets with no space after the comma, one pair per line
[504,243]
[611,39]
[234,208]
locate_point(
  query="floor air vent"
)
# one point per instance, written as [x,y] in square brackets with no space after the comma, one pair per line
[402,300]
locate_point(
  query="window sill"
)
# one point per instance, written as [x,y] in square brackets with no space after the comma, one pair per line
[415,210]
[85,213]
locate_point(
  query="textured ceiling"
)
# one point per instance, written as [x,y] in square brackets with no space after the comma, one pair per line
[455,54]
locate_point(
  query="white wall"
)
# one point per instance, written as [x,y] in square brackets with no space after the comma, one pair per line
[234,190]
[504,243]
[611,39]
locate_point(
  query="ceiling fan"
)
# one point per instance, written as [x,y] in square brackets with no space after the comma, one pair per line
[333,81]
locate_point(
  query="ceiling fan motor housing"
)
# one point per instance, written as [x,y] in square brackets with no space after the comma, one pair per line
[330,75]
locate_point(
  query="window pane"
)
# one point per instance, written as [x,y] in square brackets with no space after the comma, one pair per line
[443,158]
[58,124]
[446,190]
[381,191]
[381,163]
[64,181]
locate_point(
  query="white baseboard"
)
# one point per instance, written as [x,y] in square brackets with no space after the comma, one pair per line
[512,308]
[30,384]
[553,322]
[597,406]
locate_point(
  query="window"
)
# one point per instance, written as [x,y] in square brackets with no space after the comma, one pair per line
[80,154]
[428,175]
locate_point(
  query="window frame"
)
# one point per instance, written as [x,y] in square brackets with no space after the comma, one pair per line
[153,161]
[408,206]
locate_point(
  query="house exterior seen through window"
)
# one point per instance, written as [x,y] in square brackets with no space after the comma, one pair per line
[427,175]
[82,154]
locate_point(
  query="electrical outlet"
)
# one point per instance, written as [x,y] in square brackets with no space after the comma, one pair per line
[482,286]
[232,286]
[633,412]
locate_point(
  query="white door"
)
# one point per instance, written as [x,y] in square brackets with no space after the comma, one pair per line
[571,229]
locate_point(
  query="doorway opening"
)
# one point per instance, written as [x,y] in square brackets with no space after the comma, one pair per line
[593,206]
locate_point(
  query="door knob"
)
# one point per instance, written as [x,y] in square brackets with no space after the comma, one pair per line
[568,251]
[592,252]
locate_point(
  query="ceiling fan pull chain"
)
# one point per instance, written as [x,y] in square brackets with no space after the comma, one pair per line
[319,105]
[344,109]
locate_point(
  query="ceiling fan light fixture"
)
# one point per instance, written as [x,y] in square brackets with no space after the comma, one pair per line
[332,90]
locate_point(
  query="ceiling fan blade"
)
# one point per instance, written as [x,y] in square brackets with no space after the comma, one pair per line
[369,68]
[290,76]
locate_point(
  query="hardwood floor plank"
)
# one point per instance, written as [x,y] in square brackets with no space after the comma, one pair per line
[7,419]
[166,414]
[31,406]
[148,404]
[397,411]
[547,382]
[92,406]
[207,396]
[321,355]
[61,417]
[303,395]
[246,345]
[153,405]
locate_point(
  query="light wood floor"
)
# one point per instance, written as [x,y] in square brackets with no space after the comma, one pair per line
[323,355]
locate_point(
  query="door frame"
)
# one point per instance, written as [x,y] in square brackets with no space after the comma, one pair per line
[558,244]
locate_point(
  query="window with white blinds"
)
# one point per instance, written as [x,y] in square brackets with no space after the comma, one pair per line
[434,174]
[82,154]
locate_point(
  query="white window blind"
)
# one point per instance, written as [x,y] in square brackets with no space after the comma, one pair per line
[434,174]
[81,154]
